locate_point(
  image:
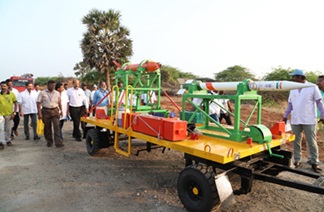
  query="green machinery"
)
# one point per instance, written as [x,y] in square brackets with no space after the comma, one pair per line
[138,80]
[245,91]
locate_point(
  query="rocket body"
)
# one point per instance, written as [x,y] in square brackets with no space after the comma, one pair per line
[258,85]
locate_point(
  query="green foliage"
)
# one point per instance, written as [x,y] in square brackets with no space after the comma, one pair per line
[42,81]
[93,77]
[312,76]
[278,73]
[170,75]
[234,73]
[81,69]
[104,41]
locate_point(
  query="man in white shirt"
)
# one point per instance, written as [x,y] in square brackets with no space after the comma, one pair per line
[36,88]
[223,113]
[214,109]
[91,98]
[28,108]
[148,100]
[65,106]
[87,93]
[302,103]
[16,119]
[77,105]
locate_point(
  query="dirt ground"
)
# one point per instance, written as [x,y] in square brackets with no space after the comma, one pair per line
[34,177]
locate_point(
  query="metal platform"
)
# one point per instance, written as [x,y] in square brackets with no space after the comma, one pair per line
[214,149]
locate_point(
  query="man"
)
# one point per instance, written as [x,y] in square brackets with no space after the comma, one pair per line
[77,100]
[214,109]
[302,102]
[87,93]
[28,108]
[65,105]
[36,88]
[100,94]
[91,98]
[148,99]
[121,93]
[223,113]
[49,110]
[8,104]
[320,84]
[16,119]
[66,86]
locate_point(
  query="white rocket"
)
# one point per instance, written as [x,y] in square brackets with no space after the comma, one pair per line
[258,85]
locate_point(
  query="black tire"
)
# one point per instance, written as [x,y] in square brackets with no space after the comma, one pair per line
[196,188]
[92,141]
[106,138]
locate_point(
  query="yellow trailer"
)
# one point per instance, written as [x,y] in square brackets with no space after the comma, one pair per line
[250,150]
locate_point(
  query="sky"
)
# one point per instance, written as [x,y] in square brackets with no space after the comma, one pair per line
[202,37]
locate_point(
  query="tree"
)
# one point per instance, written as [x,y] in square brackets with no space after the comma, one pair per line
[81,69]
[170,76]
[312,76]
[93,77]
[278,73]
[234,73]
[104,41]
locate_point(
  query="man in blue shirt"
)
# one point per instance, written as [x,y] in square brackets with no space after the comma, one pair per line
[100,94]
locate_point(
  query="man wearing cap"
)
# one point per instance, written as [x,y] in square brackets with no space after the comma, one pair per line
[302,103]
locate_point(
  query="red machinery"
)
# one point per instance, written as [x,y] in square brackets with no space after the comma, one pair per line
[19,82]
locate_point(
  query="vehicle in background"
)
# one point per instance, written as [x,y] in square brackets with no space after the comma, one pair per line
[19,82]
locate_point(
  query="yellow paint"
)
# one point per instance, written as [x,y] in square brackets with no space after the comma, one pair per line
[195,191]
[214,149]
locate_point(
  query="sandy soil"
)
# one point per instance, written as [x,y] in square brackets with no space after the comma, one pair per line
[34,177]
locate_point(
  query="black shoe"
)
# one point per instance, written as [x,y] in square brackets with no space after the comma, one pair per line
[78,139]
[9,143]
[36,138]
[2,146]
[16,133]
[59,145]
[316,168]
[49,145]
[27,138]
[298,164]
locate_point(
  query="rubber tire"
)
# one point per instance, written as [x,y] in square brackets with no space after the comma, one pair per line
[92,141]
[203,181]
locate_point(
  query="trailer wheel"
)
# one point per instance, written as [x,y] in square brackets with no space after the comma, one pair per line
[92,141]
[196,188]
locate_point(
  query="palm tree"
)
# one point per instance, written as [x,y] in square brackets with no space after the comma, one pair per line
[104,41]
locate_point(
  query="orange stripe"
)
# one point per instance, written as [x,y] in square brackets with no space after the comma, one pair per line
[209,86]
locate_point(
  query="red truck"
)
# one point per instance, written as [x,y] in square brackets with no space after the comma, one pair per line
[19,82]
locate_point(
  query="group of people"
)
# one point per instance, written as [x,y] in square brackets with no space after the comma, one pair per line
[53,105]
